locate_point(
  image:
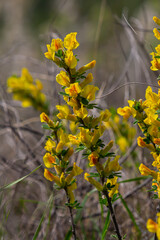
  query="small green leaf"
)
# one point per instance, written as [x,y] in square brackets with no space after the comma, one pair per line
[45,126]
[63,93]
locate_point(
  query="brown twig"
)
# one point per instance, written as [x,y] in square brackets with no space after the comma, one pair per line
[71,216]
[105,192]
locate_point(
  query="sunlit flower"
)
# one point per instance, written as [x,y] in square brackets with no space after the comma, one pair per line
[70,41]
[63,79]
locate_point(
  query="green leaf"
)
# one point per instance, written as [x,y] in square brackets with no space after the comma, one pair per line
[110,154]
[45,126]
[106,225]
[80,148]
[130,215]
[68,235]
[94,174]
[134,179]
[136,121]
[84,101]
[39,227]
[63,93]
[156,56]
[19,180]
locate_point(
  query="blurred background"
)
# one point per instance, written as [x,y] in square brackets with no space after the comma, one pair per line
[119,36]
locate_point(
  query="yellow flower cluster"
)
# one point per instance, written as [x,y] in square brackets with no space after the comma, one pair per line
[147,115]
[28,91]
[156,55]
[57,157]
[78,94]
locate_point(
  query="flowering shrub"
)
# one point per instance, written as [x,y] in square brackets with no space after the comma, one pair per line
[88,124]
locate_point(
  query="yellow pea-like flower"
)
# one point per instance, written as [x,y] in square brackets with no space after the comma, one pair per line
[86,67]
[156,20]
[87,80]
[73,90]
[123,143]
[156,33]
[153,226]
[93,158]
[93,181]
[75,172]
[63,79]
[70,190]
[145,171]
[56,44]
[44,118]
[51,177]
[49,160]
[89,91]
[124,112]
[70,41]
[70,59]
[50,144]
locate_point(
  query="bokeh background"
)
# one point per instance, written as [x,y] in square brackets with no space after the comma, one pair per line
[118,34]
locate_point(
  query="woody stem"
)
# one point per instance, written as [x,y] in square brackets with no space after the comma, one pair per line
[105,192]
[71,216]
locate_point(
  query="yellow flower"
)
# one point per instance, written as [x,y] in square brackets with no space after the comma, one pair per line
[156,20]
[50,144]
[123,143]
[68,154]
[124,112]
[70,59]
[49,160]
[74,140]
[107,148]
[75,172]
[70,41]
[105,115]
[56,44]
[85,137]
[80,112]
[112,166]
[145,171]
[153,226]
[142,144]
[44,118]
[156,33]
[113,190]
[89,91]
[86,67]
[27,91]
[87,80]
[73,90]
[64,111]
[50,54]
[93,181]
[51,177]
[156,162]
[70,190]
[156,141]
[93,158]
[155,62]
[63,79]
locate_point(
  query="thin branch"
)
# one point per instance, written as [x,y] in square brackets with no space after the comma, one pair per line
[105,192]
[123,85]
[71,216]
